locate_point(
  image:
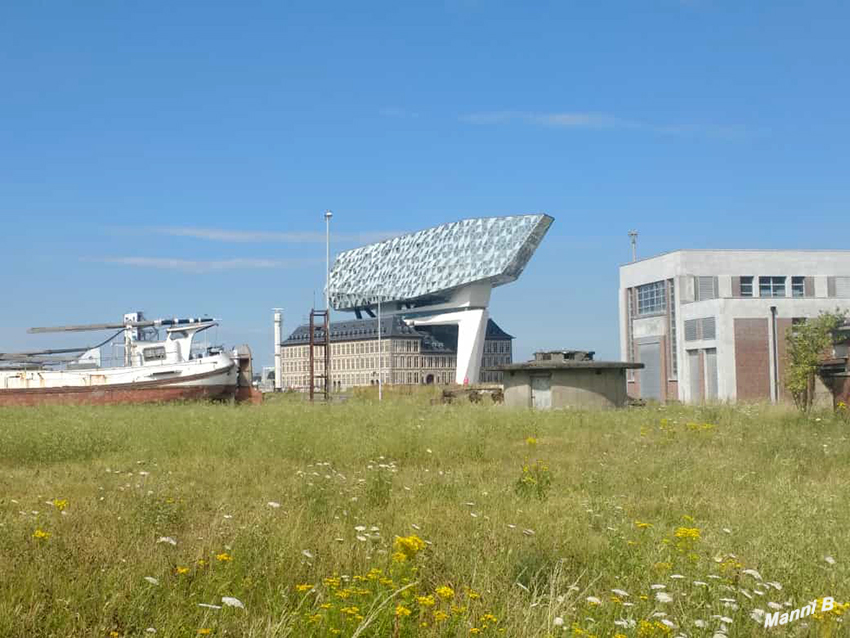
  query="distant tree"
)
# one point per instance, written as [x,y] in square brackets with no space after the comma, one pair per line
[808,343]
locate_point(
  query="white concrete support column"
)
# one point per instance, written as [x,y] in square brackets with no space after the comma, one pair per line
[278,363]
[471,330]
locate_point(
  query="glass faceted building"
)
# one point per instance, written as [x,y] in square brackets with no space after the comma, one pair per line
[440,276]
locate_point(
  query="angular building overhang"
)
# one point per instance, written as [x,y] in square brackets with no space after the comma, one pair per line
[424,268]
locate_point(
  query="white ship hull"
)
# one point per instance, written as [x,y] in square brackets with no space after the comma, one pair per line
[208,377]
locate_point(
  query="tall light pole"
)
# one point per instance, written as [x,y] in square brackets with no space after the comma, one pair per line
[328,215]
[380,356]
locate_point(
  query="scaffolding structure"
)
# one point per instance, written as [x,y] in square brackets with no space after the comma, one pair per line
[323,338]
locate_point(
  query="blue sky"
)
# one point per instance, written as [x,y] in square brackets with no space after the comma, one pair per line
[177,157]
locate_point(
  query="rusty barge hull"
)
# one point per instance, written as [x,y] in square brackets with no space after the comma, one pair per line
[193,387]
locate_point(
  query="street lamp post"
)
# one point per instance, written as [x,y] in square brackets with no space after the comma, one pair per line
[328,215]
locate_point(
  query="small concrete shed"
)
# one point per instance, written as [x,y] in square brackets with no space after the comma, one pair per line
[566,384]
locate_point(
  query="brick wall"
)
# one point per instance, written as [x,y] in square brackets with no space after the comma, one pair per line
[752,359]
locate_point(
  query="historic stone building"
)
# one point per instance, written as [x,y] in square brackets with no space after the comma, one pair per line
[407,356]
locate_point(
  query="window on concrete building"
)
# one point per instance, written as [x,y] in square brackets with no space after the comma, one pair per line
[771,286]
[705,288]
[674,355]
[709,328]
[798,286]
[747,286]
[691,329]
[652,298]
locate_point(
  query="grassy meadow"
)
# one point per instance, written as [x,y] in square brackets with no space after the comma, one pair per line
[411,519]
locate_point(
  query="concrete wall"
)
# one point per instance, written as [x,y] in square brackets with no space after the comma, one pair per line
[571,387]
[733,346]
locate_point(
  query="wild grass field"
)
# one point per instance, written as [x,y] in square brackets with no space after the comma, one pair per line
[410,519]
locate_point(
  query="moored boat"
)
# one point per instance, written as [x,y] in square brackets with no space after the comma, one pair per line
[154,369]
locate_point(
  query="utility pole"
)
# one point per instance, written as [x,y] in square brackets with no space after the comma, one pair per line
[328,215]
[278,364]
[633,235]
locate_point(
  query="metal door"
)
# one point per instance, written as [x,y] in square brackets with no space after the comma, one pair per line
[541,391]
[711,374]
[650,376]
[694,376]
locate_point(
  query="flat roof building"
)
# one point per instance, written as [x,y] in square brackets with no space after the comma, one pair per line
[710,325]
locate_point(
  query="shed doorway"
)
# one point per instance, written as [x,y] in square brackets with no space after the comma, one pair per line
[541,391]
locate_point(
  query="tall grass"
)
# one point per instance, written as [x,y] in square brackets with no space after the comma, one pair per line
[262,500]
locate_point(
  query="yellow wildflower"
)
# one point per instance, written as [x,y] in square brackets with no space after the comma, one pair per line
[687,533]
[325,606]
[642,525]
[531,440]
[41,535]
[473,595]
[426,601]
[475,630]
[223,557]
[182,570]
[60,504]
[401,611]
[445,592]
[409,545]
[489,618]
[399,557]
[440,616]
[204,632]
[332,582]
[304,587]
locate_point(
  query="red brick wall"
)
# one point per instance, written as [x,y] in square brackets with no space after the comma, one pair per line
[672,390]
[752,359]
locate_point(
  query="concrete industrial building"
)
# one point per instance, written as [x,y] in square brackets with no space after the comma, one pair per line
[412,355]
[566,379]
[710,325]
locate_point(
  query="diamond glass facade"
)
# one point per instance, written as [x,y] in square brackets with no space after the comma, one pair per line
[429,263]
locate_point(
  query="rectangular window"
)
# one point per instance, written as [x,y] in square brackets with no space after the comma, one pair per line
[154,354]
[652,298]
[798,286]
[746,286]
[771,286]
[674,354]
[705,288]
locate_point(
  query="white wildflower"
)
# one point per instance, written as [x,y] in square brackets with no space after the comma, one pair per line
[829,559]
[701,624]
[658,586]
[166,539]
[700,583]
[753,573]
[152,580]
[232,602]
[620,593]
[307,554]
[676,576]
[593,600]
[663,597]
[757,615]
[273,504]
[774,605]
[558,621]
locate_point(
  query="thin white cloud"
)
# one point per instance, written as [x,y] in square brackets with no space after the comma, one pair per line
[600,121]
[261,236]
[555,120]
[198,266]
